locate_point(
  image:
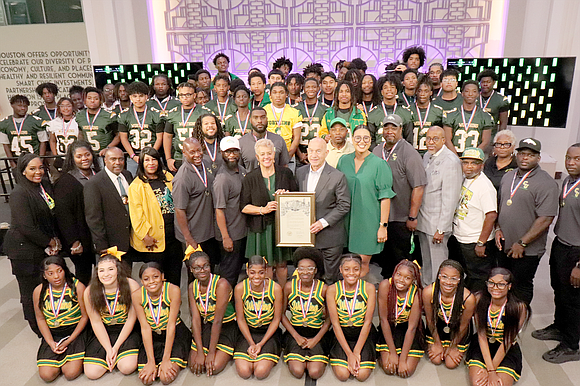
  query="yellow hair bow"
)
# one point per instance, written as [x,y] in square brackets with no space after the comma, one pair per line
[113,251]
[416,263]
[189,251]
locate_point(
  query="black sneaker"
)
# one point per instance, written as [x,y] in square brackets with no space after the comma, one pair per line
[548,333]
[561,354]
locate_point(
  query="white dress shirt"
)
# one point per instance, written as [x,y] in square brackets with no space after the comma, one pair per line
[115,180]
[311,182]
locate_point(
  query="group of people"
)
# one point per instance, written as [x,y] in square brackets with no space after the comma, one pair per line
[404,168]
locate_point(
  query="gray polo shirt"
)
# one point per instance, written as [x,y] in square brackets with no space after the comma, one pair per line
[536,197]
[190,194]
[408,173]
[248,153]
[226,195]
[568,225]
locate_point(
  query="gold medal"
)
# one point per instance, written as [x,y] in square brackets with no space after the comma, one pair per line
[259,324]
[491,339]
[214,166]
[56,323]
[207,192]
[113,322]
[562,204]
[158,331]
[304,323]
[446,329]
[204,320]
[509,202]
[349,323]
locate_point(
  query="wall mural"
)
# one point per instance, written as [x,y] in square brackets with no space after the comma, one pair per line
[256,32]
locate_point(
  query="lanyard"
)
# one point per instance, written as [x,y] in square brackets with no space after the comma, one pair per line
[489,321]
[386,158]
[56,310]
[399,312]
[206,305]
[256,311]
[213,157]
[19,128]
[405,97]
[66,127]
[486,102]
[204,179]
[281,115]
[141,124]
[48,112]
[92,123]
[365,108]
[445,318]
[466,127]
[422,121]
[222,115]
[385,108]
[240,122]
[313,112]
[305,310]
[156,318]
[350,309]
[183,119]
[512,190]
[163,107]
[256,138]
[49,200]
[567,191]
[114,308]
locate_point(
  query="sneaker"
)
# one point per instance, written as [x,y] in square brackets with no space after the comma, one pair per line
[561,354]
[548,333]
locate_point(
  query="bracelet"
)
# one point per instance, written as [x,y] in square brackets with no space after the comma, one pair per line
[261,211]
[132,155]
[491,371]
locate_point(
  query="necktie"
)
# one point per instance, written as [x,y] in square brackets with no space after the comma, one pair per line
[123,193]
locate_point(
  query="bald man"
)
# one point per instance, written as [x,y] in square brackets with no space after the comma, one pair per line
[332,204]
[435,219]
[192,198]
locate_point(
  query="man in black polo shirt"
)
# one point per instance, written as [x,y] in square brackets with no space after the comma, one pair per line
[409,180]
[565,269]
[528,202]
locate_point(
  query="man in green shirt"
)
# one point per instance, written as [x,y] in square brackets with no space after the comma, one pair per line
[425,114]
[260,97]
[312,111]
[140,126]
[99,126]
[48,93]
[20,132]
[449,99]
[491,101]
[223,105]
[161,99]
[468,126]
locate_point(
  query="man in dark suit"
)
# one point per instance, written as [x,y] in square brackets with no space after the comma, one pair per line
[107,204]
[332,204]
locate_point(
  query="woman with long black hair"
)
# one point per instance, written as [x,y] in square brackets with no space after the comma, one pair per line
[495,357]
[33,230]
[80,164]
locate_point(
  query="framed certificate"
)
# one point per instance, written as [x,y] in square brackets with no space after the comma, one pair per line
[294,217]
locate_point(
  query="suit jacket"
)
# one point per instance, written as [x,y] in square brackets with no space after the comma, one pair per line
[444,181]
[332,203]
[105,213]
[69,211]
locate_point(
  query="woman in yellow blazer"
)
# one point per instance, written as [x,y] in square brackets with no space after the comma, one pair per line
[152,211]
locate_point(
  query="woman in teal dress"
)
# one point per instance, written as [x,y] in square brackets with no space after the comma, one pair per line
[370,181]
[258,203]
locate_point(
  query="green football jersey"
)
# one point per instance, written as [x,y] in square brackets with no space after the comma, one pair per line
[405,99]
[142,128]
[180,123]
[265,101]
[467,127]
[99,129]
[311,121]
[378,114]
[446,105]
[237,126]
[23,137]
[163,106]
[423,120]
[494,105]
[45,114]
[221,110]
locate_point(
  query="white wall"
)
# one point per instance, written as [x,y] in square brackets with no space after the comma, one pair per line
[548,28]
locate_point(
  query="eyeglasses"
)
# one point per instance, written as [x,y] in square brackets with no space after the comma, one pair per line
[491,284]
[449,279]
[502,145]
[188,95]
[449,80]
[306,269]
[432,139]
[199,269]
[365,139]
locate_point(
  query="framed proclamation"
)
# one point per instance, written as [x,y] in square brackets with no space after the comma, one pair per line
[294,217]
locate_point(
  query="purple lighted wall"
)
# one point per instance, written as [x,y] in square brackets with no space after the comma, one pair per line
[256,32]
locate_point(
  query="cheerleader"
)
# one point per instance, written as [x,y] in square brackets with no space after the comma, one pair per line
[166,340]
[61,317]
[259,303]
[351,303]
[213,317]
[114,342]
[304,295]
[495,357]
[449,307]
[400,344]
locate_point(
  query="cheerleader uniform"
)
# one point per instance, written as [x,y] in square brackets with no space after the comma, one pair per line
[259,325]
[181,342]
[95,352]
[399,330]
[445,337]
[351,327]
[229,330]
[61,327]
[307,327]
[511,363]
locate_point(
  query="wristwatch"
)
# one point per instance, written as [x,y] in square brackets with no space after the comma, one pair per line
[412,218]
[480,243]
[522,243]
[384,224]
